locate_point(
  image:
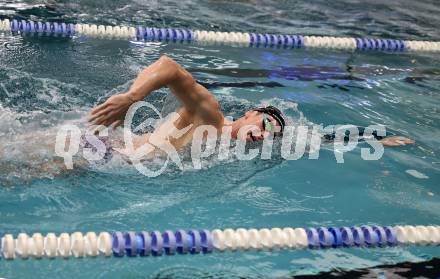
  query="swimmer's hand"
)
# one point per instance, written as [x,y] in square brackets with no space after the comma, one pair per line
[396,141]
[112,111]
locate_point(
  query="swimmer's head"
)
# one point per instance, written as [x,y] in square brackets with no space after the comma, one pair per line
[264,120]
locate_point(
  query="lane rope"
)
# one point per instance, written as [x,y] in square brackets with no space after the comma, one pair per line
[155,243]
[239,39]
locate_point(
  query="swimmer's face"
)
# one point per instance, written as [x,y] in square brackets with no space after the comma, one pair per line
[259,130]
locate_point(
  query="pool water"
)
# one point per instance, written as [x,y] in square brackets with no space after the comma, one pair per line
[47,82]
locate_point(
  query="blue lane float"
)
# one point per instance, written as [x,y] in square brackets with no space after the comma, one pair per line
[143,34]
[155,243]
[337,235]
[134,244]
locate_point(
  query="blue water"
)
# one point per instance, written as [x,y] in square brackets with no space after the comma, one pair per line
[47,82]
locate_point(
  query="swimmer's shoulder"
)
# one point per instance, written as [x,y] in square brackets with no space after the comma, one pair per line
[210,112]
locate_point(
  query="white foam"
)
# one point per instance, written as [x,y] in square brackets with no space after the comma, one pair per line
[417,174]
[9,122]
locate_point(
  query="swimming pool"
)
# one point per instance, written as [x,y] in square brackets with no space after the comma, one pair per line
[46,82]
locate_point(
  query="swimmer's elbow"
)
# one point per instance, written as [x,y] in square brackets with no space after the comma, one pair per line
[167,60]
[171,66]
[178,75]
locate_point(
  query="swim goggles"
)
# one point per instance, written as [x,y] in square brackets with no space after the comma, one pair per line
[266,124]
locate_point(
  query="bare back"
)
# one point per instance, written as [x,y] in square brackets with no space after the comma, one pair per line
[206,113]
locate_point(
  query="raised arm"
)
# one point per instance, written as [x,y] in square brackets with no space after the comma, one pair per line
[163,72]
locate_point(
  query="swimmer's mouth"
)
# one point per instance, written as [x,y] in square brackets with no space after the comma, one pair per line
[252,137]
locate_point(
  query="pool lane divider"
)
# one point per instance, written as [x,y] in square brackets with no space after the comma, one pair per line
[143,34]
[155,243]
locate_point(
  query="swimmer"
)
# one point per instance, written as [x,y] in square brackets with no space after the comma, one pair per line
[200,107]
[21,158]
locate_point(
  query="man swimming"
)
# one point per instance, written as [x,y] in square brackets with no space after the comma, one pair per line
[200,107]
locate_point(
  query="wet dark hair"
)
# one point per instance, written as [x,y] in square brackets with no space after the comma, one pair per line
[275,113]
